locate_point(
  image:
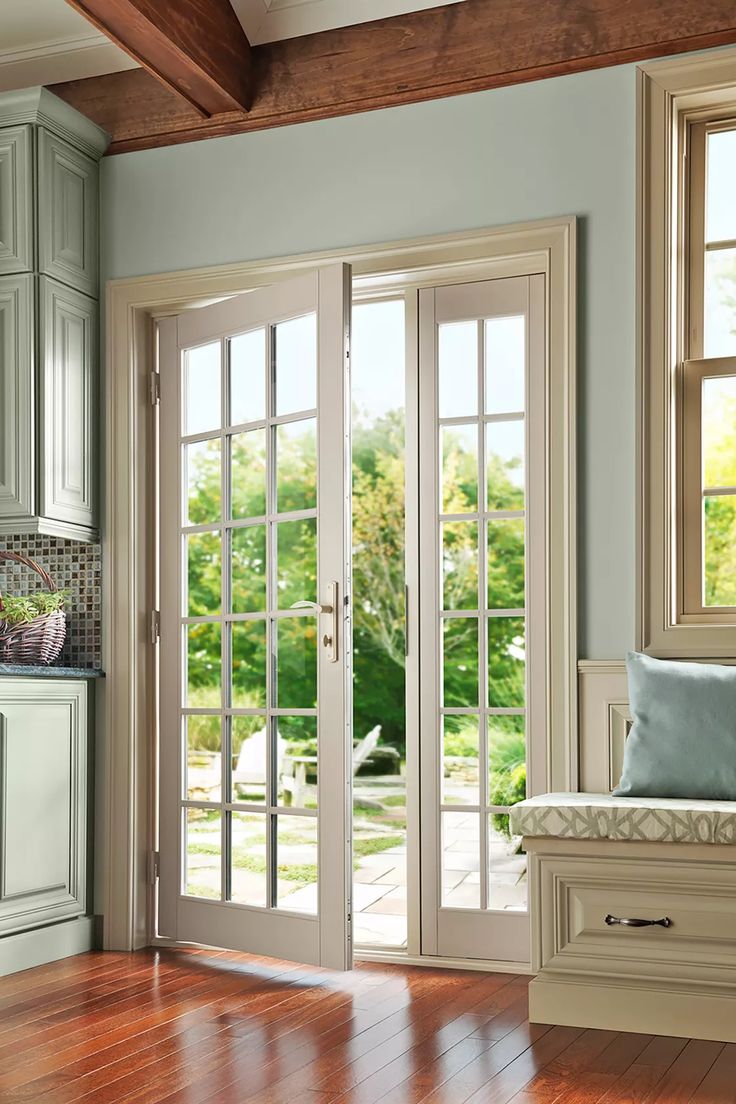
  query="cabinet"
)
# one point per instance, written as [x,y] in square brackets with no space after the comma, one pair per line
[49,275]
[44,803]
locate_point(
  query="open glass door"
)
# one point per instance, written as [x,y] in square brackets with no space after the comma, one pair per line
[483,607]
[256,764]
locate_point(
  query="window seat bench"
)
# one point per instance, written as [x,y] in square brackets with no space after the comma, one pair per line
[633,912]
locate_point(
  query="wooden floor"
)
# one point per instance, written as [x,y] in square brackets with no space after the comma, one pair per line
[183,1026]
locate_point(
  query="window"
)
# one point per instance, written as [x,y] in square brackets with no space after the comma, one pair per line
[688,330]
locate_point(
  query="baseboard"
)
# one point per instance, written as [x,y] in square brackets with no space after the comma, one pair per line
[685,1013]
[25,950]
[401,958]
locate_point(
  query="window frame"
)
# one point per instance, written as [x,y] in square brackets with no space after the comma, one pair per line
[678,103]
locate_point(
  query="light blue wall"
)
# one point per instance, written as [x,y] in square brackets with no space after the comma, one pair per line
[557,147]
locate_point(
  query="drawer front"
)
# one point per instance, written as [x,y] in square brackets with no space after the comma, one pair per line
[698,901]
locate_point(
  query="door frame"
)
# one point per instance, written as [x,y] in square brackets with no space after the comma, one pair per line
[126,828]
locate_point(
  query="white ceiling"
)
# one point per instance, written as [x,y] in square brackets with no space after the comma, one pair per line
[46,41]
[271,20]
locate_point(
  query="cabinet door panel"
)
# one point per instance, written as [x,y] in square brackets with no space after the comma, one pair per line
[16,397]
[43,782]
[68,335]
[67,213]
[16,222]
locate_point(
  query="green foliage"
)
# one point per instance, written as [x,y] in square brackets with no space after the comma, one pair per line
[378,576]
[23,608]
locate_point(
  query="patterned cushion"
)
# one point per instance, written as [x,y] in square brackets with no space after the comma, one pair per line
[602,816]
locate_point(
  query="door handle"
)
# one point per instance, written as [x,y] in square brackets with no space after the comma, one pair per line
[329,608]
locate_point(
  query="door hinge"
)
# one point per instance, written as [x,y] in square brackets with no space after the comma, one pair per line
[154,867]
[155,626]
[154,386]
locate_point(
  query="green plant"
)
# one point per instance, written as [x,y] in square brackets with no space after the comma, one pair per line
[22,608]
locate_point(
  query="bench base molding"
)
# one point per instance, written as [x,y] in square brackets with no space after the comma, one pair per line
[687,1014]
[27,949]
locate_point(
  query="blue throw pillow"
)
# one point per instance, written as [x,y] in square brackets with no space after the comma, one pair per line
[683,740]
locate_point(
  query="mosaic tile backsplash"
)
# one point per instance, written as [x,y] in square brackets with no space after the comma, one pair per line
[75,567]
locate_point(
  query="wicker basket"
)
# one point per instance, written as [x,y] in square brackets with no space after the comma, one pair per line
[36,641]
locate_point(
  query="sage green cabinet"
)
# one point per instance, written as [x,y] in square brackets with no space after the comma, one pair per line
[49,284]
[17,299]
[67,213]
[44,830]
[16,200]
[67,404]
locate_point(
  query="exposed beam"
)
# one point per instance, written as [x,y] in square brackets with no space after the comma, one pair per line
[441,52]
[196,47]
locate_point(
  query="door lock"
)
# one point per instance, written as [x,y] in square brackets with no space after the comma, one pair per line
[328,609]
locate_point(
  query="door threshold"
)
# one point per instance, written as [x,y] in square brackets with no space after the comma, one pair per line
[399,957]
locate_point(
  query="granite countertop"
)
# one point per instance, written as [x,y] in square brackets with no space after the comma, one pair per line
[41,671]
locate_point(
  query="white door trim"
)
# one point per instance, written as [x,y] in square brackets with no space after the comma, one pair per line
[127,775]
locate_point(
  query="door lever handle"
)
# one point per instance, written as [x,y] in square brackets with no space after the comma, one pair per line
[313,606]
[329,640]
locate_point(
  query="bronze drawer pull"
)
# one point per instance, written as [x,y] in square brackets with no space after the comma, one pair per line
[633,922]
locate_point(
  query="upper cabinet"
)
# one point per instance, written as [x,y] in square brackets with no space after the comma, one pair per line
[67,213]
[16,200]
[49,289]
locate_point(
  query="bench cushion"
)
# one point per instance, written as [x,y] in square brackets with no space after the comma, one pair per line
[602,816]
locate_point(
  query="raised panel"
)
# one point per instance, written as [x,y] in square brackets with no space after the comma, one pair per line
[16,209]
[68,396]
[16,397]
[43,819]
[67,213]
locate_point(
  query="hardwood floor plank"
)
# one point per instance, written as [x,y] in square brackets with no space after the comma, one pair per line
[203,1027]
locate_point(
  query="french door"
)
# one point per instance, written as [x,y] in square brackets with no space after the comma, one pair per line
[255,751]
[482,419]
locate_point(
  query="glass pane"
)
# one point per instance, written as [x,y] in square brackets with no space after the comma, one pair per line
[506,563]
[721,176]
[249,664]
[248,867]
[203,478]
[460,860]
[249,760]
[295,355]
[506,662]
[202,410]
[248,474]
[460,761]
[720,303]
[507,880]
[296,759]
[505,362]
[719,431]
[296,466]
[506,763]
[204,574]
[720,550]
[296,863]
[460,565]
[202,877]
[248,377]
[296,645]
[458,369]
[248,569]
[459,469]
[204,758]
[204,673]
[296,558]
[460,661]
[505,465]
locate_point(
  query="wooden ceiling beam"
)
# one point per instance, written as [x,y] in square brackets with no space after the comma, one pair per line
[195,47]
[439,52]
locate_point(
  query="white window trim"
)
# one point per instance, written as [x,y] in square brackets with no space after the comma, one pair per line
[670,93]
[126,767]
